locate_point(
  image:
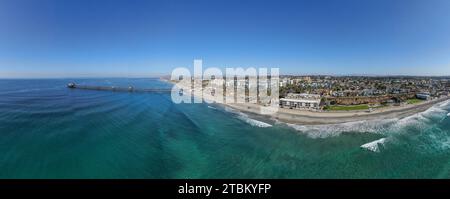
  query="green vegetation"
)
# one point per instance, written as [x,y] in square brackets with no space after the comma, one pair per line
[414,101]
[347,108]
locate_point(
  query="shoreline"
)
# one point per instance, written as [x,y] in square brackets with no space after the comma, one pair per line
[306,117]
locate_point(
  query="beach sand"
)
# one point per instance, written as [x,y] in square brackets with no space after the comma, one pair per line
[306,117]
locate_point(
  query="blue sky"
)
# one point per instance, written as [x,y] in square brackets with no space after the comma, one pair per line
[56,38]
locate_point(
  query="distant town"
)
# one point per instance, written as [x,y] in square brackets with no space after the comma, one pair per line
[340,93]
[346,93]
[358,92]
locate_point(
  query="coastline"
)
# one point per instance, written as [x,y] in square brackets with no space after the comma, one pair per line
[306,117]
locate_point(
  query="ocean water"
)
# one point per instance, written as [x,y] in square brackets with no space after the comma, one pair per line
[50,131]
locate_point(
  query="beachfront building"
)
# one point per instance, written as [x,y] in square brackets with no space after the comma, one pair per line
[301,101]
[423,96]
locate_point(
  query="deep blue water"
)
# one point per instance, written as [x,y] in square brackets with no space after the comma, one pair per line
[50,131]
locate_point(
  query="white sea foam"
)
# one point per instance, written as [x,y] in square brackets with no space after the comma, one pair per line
[421,120]
[444,104]
[390,128]
[253,122]
[374,146]
[244,117]
[383,126]
[433,110]
[328,130]
[416,120]
[211,107]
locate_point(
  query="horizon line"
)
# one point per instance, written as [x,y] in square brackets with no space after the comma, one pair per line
[166,75]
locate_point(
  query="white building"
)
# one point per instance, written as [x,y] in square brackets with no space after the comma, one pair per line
[423,96]
[301,101]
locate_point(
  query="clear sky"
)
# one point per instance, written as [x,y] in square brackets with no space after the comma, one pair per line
[67,38]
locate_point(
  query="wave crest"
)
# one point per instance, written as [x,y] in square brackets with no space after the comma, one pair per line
[253,122]
[244,117]
[374,146]
[419,120]
[211,107]
[328,130]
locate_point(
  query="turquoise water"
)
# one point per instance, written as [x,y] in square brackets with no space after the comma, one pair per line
[49,131]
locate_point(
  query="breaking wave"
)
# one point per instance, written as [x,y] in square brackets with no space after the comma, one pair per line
[327,130]
[244,117]
[444,104]
[424,128]
[211,107]
[383,126]
[374,146]
[253,122]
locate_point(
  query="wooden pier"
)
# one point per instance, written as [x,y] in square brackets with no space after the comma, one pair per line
[119,89]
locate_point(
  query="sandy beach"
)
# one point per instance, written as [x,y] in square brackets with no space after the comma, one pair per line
[307,117]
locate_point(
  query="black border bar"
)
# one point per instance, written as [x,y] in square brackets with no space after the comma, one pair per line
[278,188]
